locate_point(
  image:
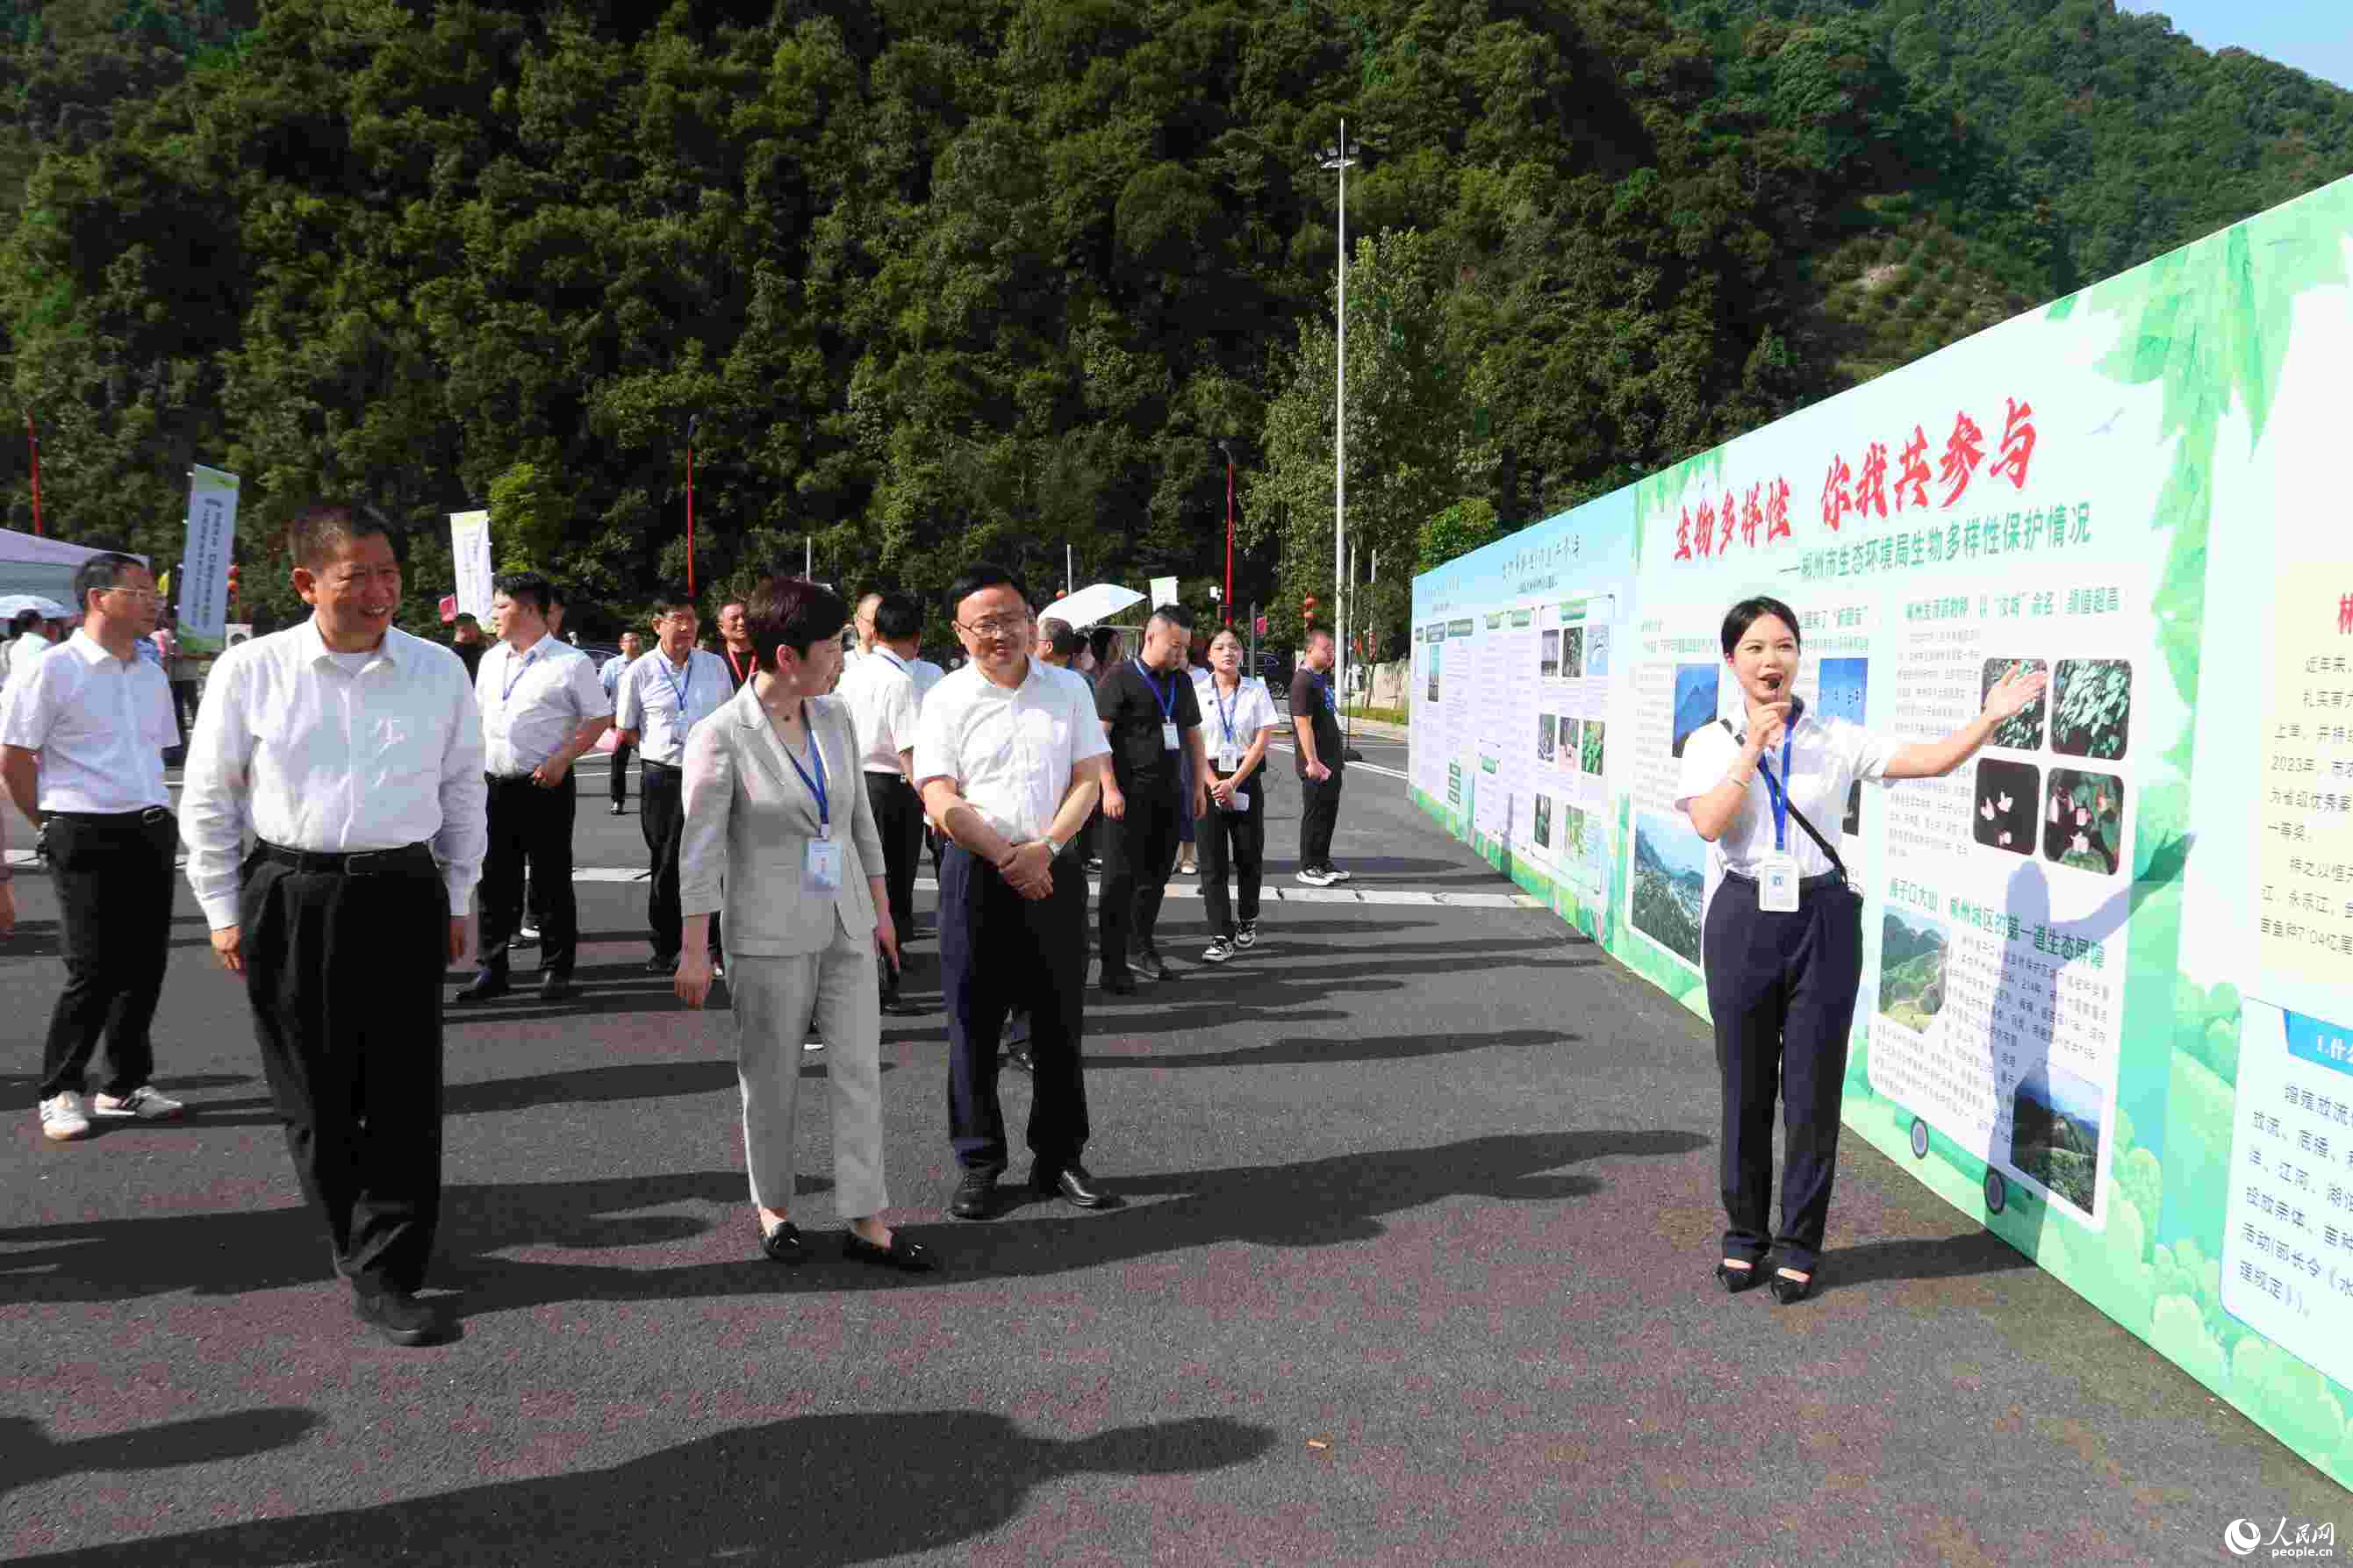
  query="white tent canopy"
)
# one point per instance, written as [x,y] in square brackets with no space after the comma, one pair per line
[1093,603]
[32,564]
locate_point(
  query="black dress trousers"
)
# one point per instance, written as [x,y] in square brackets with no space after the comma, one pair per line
[619,781]
[342,969]
[899,818]
[1319,813]
[1235,839]
[1781,988]
[1001,952]
[530,825]
[1139,855]
[661,823]
[113,877]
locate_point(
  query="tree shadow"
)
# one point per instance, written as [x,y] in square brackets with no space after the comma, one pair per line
[1935,1258]
[33,1458]
[1319,1051]
[605,1085]
[817,1492]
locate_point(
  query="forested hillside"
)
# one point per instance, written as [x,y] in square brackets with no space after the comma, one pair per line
[948,277]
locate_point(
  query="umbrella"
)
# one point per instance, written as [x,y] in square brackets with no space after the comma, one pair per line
[16,604]
[1093,603]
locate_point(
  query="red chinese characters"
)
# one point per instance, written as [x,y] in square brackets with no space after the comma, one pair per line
[1776,511]
[1865,494]
[1870,486]
[2017,443]
[1703,528]
[1683,537]
[1727,520]
[1913,480]
[1963,450]
[1710,527]
[1836,501]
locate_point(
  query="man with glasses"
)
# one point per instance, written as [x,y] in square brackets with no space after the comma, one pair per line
[659,699]
[84,737]
[1007,756]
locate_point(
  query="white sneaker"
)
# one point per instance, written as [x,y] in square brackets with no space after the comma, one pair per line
[525,936]
[1334,874]
[63,1119]
[1313,877]
[141,1104]
[812,1045]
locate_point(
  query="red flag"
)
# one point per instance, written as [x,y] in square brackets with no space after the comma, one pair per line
[448,608]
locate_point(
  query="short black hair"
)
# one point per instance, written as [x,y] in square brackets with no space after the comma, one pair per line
[671,599]
[794,613]
[1745,614]
[323,528]
[25,621]
[101,572]
[981,576]
[898,617]
[1100,640]
[1177,615]
[525,588]
[466,618]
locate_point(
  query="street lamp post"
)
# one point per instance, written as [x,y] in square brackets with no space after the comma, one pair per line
[1339,158]
[1228,451]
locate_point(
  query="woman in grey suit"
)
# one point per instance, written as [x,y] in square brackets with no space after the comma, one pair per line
[776,815]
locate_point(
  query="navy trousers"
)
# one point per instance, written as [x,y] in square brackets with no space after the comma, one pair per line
[1001,952]
[1782,990]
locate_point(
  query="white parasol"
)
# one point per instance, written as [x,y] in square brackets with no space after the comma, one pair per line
[16,604]
[1091,605]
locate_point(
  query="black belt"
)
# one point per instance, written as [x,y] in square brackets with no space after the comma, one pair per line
[644,761]
[145,816]
[357,863]
[1805,884]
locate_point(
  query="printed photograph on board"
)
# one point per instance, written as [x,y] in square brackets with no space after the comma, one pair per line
[1572,653]
[1912,949]
[1544,822]
[2054,1135]
[2007,794]
[1591,758]
[1596,651]
[2084,825]
[1694,700]
[1550,668]
[1434,650]
[1843,689]
[2024,730]
[1569,742]
[1575,833]
[2091,714]
[1544,737]
[1670,882]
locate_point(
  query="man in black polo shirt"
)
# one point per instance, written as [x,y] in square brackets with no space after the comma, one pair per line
[1316,724]
[1152,717]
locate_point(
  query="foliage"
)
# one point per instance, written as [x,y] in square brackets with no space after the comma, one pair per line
[1457,531]
[2084,825]
[2022,730]
[2093,711]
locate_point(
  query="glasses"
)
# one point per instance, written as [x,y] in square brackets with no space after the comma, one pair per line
[144,596]
[996,626]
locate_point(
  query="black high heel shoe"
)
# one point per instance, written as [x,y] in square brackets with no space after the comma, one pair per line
[1788,1293]
[784,1245]
[1736,1280]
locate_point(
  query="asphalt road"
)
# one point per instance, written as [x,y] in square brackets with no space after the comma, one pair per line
[1414,1268]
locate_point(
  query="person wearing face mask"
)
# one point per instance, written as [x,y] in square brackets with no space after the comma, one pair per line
[1239,715]
[1782,939]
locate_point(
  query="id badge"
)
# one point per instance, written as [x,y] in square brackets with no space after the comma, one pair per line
[1776,885]
[1239,801]
[825,865]
[1168,735]
[1229,759]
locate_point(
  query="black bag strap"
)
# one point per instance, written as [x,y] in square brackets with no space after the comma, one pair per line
[1774,789]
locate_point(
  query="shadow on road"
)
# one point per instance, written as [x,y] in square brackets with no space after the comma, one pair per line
[817,1492]
[33,1458]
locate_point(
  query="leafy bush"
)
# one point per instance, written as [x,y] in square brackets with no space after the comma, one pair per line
[2095,707]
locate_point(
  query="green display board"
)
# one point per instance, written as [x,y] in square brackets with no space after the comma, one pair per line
[2107,1006]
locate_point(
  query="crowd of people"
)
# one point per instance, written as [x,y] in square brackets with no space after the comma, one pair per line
[353,795]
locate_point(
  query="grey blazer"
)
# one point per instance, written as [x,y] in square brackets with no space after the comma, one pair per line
[749,819]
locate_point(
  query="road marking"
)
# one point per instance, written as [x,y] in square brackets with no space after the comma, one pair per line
[1368,767]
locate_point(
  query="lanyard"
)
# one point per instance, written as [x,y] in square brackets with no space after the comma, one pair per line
[1226,715]
[740,676]
[1168,702]
[1780,795]
[519,673]
[678,688]
[896,662]
[817,785]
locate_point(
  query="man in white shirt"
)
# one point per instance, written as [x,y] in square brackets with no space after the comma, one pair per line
[609,677]
[879,691]
[352,753]
[662,697]
[861,626]
[34,637]
[1008,757]
[84,734]
[543,707]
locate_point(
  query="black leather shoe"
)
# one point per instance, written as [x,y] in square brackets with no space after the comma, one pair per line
[784,1245]
[1017,1059]
[898,1007]
[1789,1291]
[975,1192]
[1074,1185]
[556,988]
[400,1318]
[1147,965]
[907,1257]
[1119,981]
[486,985]
[661,966]
[616,808]
[1736,1280]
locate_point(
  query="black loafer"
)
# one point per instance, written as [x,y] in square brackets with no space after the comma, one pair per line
[784,1245]
[485,986]
[1147,965]
[1119,981]
[400,1318]
[975,1192]
[1074,1185]
[1017,1059]
[906,1256]
[1788,1293]
[1736,1280]
[556,988]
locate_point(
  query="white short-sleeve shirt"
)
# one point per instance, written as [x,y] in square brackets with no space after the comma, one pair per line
[1826,757]
[1010,751]
[879,692]
[1235,720]
[101,725]
[662,702]
[533,703]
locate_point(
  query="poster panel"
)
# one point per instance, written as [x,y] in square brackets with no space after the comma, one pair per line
[204,562]
[470,547]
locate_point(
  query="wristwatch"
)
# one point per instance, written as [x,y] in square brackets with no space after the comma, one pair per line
[1053,848]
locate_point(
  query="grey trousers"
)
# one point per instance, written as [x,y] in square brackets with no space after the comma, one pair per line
[775,999]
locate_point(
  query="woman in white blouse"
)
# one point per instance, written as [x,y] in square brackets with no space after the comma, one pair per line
[776,814]
[1783,936]
[1238,719]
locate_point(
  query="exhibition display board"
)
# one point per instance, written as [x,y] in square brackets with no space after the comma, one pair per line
[2107,1004]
